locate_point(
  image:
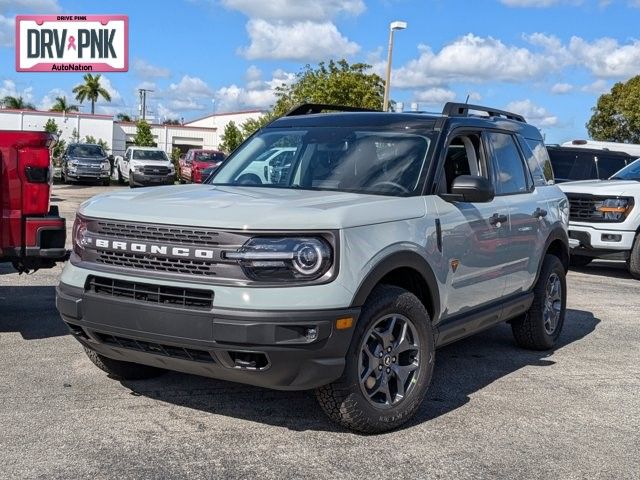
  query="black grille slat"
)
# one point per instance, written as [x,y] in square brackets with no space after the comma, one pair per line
[157,294]
[583,208]
[186,236]
[150,170]
[156,348]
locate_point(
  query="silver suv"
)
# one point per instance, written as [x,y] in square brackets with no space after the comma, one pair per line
[340,268]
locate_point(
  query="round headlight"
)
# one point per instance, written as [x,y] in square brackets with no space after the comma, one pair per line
[308,257]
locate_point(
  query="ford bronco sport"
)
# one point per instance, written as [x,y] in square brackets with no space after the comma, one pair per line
[382,237]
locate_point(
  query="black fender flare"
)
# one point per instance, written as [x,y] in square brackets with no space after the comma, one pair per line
[558,232]
[402,259]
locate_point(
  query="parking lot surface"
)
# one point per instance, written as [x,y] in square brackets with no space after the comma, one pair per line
[493,411]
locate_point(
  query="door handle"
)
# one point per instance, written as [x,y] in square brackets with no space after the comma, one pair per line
[497,219]
[540,213]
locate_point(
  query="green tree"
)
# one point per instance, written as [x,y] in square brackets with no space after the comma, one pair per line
[171,121]
[91,90]
[75,136]
[175,157]
[144,137]
[17,103]
[61,105]
[58,149]
[616,116]
[123,117]
[102,143]
[231,138]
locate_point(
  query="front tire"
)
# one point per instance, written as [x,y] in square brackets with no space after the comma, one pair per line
[634,259]
[131,184]
[119,176]
[540,327]
[388,367]
[122,370]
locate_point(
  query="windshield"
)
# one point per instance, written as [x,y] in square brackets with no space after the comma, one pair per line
[350,159]
[149,155]
[208,157]
[85,151]
[630,172]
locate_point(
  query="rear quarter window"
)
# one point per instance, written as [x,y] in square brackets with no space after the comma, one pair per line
[538,161]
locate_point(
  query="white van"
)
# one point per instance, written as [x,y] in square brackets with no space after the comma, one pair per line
[632,149]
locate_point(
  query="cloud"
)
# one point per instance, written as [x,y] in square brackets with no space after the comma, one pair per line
[538,3]
[534,114]
[561,88]
[144,69]
[115,95]
[436,96]
[605,57]
[9,88]
[299,41]
[474,59]
[40,6]
[598,87]
[49,99]
[7,31]
[257,93]
[300,30]
[188,86]
[283,10]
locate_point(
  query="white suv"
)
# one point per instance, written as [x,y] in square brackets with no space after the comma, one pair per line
[605,218]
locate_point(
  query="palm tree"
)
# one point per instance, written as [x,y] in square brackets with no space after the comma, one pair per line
[17,103]
[91,89]
[61,105]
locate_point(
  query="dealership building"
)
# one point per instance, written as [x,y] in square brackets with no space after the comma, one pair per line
[203,132]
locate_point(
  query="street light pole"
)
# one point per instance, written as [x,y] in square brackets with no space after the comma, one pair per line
[393,26]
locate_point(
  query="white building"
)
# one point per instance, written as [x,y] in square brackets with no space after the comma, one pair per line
[200,133]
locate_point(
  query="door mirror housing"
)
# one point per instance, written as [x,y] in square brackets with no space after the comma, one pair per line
[470,188]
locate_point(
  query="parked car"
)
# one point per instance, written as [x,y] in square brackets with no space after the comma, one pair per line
[85,162]
[382,237]
[575,163]
[632,149]
[142,166]
[197,165]
[605,219]
[32,233]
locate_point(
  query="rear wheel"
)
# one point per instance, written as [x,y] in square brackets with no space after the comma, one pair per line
[579,261]
[389,365]
[634,259]
[540,327]
[122,370]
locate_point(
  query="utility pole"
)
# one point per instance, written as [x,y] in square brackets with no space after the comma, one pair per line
[143,101]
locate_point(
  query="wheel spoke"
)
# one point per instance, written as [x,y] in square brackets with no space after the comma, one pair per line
[402,374]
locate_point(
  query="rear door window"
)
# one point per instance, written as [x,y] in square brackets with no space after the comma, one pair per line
[572,165]
[608,165]
[542,157]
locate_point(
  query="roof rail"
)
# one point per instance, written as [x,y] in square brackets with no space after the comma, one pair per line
[452,109]
[310,108]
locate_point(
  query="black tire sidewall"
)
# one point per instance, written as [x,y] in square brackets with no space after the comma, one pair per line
[388,300]
[550,266]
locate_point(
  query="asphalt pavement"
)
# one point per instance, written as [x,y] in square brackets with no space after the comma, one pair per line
[493,411]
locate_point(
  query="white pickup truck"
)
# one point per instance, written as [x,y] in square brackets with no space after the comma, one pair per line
[604,220]
[142,166]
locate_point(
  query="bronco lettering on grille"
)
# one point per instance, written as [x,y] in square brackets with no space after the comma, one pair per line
[153,249]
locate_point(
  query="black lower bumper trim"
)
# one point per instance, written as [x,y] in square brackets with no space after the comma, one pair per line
[288,350]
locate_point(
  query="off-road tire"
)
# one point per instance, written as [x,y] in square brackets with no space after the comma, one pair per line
[579,261]
[344,401]
[119,177]
[529,329]
[122,370]
[634,259]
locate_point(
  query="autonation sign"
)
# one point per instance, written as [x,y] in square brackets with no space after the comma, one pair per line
[72,43]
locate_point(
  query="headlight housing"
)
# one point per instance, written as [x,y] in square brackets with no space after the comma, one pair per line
[282,259]
[615,209]
[79,236]
[73,163]
[105,165]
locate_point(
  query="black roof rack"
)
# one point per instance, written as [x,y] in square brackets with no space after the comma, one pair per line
[452,109]
[310,108]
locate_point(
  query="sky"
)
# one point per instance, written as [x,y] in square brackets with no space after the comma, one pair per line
[546,59]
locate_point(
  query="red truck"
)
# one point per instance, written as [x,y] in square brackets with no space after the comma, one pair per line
[32,234]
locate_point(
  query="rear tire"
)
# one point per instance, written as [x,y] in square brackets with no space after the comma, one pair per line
[579,261]
[122,370]
[634,259]
[392,352]
[540,327]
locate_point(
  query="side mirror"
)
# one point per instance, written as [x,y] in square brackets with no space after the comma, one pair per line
[469,188]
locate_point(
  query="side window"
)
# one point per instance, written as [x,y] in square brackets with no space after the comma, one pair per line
[464,157]
[608,165]
[127,155]
[542,158]
[510,176]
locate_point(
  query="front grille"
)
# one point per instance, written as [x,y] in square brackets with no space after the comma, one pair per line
[159,233]
[156,348]
[159,294]
[583,208]
[150,170]
[156,263]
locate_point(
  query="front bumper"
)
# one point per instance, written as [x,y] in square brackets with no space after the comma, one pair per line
[600,242]
[93,176]
[272,349]
[140,179]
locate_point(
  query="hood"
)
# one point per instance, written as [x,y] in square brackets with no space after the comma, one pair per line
[602,187]
[86,159]
[249,208]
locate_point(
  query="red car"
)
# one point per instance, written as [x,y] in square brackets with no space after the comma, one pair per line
[197,165]
[32,233]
